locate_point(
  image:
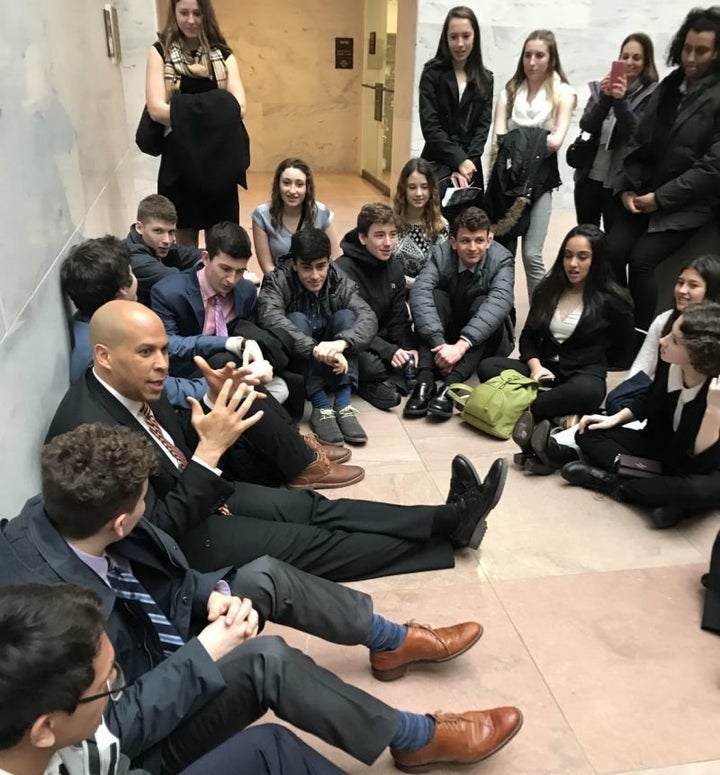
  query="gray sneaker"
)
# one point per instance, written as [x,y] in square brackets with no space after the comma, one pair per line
[325,425]
[350,428]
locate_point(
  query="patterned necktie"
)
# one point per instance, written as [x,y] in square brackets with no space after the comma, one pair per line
[126,586]
[220,323]
[156,430]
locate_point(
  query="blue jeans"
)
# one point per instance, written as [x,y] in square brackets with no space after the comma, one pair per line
[319,376]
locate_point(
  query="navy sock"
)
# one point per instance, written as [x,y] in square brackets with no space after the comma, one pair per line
[320,400]
[385,635]
[342,396]
[414,731]
[445,519]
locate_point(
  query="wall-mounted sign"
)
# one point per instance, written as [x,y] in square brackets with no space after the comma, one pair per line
[344,53]
[372,43]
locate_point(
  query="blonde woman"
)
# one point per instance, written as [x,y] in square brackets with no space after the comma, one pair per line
[538,95]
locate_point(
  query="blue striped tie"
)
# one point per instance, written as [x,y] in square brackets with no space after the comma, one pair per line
[128,587]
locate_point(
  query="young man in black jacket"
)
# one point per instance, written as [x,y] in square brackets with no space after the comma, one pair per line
[151,242]
[196,671]
[368,260]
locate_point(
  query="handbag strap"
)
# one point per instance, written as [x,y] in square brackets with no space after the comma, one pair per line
[459,392]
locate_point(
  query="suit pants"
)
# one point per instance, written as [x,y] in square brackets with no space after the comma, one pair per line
[690,491]
[268,749]
[593,201]
[340,539]
[635,249]
[265,673]
[576,394]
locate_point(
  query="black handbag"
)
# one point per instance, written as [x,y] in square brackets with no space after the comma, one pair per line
[581,152]
[149,135]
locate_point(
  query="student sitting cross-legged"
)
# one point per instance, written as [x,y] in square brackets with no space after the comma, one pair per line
[203,671]
[59,677]
[329,323]
[461,304]
[368,259]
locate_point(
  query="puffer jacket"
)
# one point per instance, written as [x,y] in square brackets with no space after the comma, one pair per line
[281,292]
[382,285]
[494,283]
[677,155]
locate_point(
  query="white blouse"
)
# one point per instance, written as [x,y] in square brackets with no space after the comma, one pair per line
[540,111]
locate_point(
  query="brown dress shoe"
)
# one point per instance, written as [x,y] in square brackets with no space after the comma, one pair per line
[334,454]
[423,644]
[462,739]
[324,475]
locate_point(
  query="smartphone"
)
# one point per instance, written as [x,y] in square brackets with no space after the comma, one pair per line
[618,70]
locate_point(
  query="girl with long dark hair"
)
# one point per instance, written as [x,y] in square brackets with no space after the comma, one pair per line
[456,92]
[611,115]
[292,207]
[580,321]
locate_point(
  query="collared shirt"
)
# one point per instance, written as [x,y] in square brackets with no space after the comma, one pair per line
[208,298]
[135,409]
[472,269]
[686,394]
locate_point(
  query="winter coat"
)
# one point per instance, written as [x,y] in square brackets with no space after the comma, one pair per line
[281,293]
[676,154]
[494,283]
[382,285]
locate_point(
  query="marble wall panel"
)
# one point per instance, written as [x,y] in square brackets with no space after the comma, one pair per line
[296,98]
[589,33]
[68,166]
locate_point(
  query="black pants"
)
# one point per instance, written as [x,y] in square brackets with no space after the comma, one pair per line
[576,394]
[694,492]
[453,323]
[268,749]
[271,452]
[340,539]
[594,201]
[265,673]
[634,248]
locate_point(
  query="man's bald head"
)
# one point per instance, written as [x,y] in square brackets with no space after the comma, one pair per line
[117,320]
[130,349]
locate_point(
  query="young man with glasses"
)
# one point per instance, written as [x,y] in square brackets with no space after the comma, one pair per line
[57,677]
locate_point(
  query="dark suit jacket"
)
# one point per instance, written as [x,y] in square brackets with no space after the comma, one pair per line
[177,300]
[178,502]
[161,691]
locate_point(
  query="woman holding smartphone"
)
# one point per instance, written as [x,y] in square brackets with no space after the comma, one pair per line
[682,433]
[456,92]
[539,96]
[671,178]
[611,114]
[580,319]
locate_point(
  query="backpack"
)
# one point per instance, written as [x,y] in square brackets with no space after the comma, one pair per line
[494,406]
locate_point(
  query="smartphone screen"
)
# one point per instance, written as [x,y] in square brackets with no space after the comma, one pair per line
[618,70]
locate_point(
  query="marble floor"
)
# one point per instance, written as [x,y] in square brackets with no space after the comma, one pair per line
[591,617]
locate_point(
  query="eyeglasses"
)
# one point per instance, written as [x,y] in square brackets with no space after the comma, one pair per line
[115,685]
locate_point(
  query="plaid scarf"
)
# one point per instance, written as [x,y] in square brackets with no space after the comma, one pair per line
[179,62]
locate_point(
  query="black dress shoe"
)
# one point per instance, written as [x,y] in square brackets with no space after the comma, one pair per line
[590,477]
[442,405]
[463,479]
[664,517]
[475,506]
[417,404]
[381,395]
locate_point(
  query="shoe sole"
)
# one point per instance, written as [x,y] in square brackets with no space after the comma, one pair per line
[523,444]
[350,440]
[429,765]
[539,440]
[440,414]
[414,412]
[481,528]
[326,485]
[399,672]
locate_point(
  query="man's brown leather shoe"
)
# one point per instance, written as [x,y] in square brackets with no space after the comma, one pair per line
[334,454]
[462,738]
[324,475]
[423,644]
